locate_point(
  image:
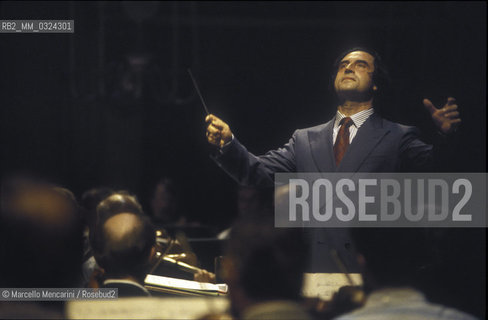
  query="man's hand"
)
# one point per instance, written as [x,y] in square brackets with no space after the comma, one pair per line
[218,132]
[447,118]
[204,276]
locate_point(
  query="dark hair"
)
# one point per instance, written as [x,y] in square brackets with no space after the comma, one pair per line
[125,254]
[118,202]
[394,256]
[89,202]
[381,77]
[269,261]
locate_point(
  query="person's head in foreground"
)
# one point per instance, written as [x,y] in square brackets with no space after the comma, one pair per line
[264,270]
[125,246]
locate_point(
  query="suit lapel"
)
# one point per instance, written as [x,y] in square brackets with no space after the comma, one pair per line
[367,137]
[322,148]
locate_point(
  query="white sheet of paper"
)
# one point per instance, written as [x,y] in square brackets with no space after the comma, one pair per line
[184,284]
[324,285]
[146,308]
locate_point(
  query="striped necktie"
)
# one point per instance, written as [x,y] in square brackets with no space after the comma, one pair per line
[342,140]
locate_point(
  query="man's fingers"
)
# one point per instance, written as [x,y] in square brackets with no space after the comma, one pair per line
[452,115]
[213,140]
[217,123]
[218,132]
[212,130]
[445,118]
[450,108]
[209,118]
[429,106]
[214,135]
[451,101]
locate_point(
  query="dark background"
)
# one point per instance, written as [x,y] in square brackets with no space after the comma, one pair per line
[72,107]
[262,66]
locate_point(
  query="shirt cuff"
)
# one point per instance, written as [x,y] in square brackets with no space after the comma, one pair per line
[225,146]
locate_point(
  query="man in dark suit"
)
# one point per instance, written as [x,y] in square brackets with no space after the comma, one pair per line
[125,246]
[357,139]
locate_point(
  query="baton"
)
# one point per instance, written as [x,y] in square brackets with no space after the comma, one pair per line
[198,91]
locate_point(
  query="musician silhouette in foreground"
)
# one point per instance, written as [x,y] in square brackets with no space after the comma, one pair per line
[264,271]
[393,262]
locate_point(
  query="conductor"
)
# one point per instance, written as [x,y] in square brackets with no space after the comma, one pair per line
[356,139]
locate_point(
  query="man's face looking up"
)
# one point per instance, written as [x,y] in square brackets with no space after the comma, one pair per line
[354,78]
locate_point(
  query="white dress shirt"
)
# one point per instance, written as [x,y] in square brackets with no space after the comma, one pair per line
[358,119]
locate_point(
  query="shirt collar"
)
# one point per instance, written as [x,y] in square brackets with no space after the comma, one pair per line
[358,118]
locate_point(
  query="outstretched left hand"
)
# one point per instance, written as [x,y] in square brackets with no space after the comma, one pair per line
[447,118]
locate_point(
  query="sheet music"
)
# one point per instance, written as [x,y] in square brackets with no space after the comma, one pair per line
[146,308]
[324,285]
[184,284]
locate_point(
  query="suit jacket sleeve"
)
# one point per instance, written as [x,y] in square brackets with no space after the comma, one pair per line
[416,155]
[248,169]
